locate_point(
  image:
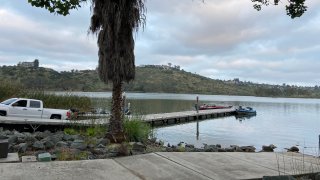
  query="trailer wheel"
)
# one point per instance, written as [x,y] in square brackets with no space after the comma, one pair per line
[55,116]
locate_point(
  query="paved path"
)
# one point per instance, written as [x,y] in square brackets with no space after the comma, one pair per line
[166,165]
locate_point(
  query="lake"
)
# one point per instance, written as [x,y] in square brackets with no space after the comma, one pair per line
[284,122]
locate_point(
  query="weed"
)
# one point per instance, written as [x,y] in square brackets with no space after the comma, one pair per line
[137,130]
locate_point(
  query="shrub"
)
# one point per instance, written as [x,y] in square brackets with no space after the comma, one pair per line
[70,131]
[137,130]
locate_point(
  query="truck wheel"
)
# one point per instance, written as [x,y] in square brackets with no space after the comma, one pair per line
[3,113]
[55,117]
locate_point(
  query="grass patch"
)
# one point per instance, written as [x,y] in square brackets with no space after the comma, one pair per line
[137,130]
[68,101]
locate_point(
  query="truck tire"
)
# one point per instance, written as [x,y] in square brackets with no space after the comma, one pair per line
[3,113]
[55,116]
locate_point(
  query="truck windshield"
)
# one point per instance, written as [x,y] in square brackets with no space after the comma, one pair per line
[9,101]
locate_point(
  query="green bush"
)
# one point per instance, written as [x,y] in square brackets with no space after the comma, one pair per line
[96,131]
[137,130]
[70,131]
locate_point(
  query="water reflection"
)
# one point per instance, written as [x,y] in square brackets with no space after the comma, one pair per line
[242,117]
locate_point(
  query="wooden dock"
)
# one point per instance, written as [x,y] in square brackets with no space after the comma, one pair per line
[186,116]
[154,119]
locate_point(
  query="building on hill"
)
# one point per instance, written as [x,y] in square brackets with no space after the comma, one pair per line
[34,64]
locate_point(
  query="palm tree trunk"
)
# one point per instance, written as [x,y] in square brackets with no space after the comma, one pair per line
[115,131]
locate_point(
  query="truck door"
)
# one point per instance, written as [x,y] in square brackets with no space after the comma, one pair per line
[19,109]
[35,109]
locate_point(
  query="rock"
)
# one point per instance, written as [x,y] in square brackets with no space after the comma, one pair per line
[189,146]
[21,148]
[3,136]
[269,148]
[78,144]
[117,150]
[210,148]
[101,146]
[169,149]
[30,139]
[68,137]
[317,176]
[230,149]
[221,150]
[293,149]
[42,135]
[103,141]
[38,145]
[48,144]
[218,145]
[98,151]
[12,139]
[77,136]
[18,134]
[248,148]
[153,140]
[61,144]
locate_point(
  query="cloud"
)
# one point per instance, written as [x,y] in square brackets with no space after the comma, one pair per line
[217,39]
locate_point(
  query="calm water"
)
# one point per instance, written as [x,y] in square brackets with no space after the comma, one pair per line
[281,121]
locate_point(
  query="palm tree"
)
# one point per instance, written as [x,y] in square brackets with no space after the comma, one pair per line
[116,21]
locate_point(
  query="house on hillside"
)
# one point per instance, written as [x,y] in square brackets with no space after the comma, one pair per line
[34,64]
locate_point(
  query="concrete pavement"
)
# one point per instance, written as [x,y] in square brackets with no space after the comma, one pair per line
[166,165]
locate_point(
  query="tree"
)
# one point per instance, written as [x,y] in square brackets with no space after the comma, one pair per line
[296,8]
[115,21]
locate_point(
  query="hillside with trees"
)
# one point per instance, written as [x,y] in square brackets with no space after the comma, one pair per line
[149,78]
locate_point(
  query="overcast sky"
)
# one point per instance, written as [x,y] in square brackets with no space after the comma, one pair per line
[218,39]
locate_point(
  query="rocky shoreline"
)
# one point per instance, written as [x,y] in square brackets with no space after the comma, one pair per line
[62,146]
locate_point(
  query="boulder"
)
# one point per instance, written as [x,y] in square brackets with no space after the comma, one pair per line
[12,139]
[210,148]
[101,146]
[48,144]
[222,150]
[293,149]
[98,151]
[21,148]
[78,144]
[103,141]
[68,137]
[38,145]
[269,148]
[248,148]
[61,144]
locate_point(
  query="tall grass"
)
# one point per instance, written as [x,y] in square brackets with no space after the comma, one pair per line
[9,89]
[68,101]
[137,130]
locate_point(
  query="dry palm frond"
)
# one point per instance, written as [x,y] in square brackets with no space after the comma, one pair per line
[115,20]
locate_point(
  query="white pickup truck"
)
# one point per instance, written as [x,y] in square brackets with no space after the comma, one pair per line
[30,108]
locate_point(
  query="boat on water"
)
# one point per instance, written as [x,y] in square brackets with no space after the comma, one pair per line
[208,106]
[245,111]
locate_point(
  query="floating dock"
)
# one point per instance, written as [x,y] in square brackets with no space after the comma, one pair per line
[154,119]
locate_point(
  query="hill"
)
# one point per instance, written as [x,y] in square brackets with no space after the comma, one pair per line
[149,78]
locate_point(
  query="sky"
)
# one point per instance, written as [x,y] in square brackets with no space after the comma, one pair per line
[217,39]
